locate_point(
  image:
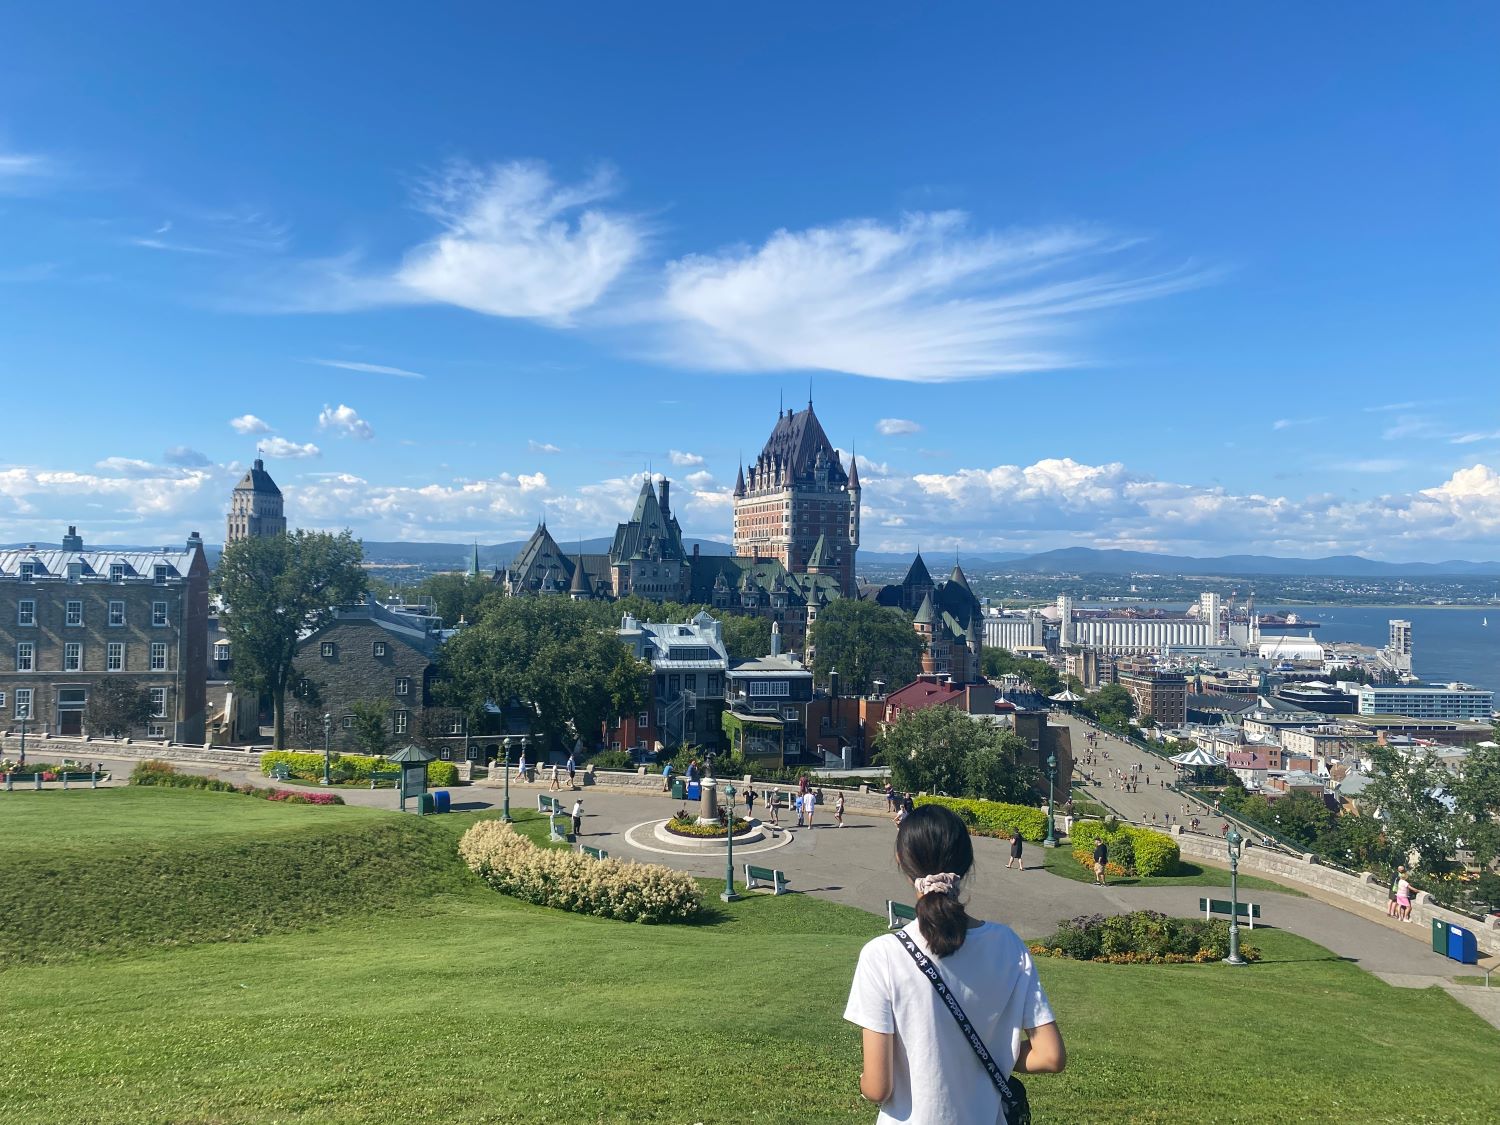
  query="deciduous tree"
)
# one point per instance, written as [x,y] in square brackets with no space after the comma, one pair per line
[943,750]
[865,642]
[115,708]
[276,590]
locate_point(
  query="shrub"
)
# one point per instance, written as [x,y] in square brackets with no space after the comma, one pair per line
[1141,937]
[613,760]
[306,766]
[1137,851]
[689,826]
[568,880]
[167,775]
[994,818]
[438,773]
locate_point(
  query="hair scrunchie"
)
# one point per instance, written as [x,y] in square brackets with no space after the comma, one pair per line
[943,882]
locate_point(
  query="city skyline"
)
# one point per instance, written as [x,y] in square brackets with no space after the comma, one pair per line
[451,284]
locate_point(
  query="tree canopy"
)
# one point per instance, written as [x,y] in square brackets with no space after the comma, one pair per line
[996,662]
[115,708]
[943,750]
[865,642]
[452,596]
[276,590]
[551,654]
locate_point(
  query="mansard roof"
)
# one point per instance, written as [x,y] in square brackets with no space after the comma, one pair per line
[256,479]
[797,441]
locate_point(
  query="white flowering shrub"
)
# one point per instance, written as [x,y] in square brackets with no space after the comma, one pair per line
[566,880]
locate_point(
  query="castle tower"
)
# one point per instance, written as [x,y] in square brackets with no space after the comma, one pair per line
[796,493]
[255,507]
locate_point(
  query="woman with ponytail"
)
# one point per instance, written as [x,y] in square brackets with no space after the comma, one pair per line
[943,1002]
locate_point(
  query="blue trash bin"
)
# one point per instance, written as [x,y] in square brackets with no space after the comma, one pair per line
[1462,946]
[440,800]
[694,791]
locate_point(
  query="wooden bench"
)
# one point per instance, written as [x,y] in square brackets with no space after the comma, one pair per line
[1211,906]
[756,876]
[593,853]
[279,772]
[898,914]
[377,776]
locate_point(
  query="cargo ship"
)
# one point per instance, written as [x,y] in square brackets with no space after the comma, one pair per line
[1279,622]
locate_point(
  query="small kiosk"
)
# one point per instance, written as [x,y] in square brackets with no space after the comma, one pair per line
[413,762]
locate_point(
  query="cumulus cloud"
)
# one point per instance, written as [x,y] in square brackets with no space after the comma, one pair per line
[368,368]
[895,427]
[512,242]
[418,512]
[344,421]
[249,424]
[685,460]
[534,446]
[280,447]
[1058,502]
[925,300]
[185,457]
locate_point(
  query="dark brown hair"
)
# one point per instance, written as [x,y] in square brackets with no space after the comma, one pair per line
[931,840]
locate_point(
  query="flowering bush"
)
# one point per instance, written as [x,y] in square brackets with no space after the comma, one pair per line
[1139,938]
[689,826]
[994,818]
[165,774]
[567,880]
[1137,851]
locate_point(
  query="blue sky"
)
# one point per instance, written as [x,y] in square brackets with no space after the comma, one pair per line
[1180,277]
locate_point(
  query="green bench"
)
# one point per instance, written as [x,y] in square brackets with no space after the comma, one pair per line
[91,777]
[756,876]
[1247,910]
[898,914]
[549,805]
[594,853]
[279,772]
[377,776]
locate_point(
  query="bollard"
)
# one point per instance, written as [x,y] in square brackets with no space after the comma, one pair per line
[37,777]
[94,777]
[65,778]
[9,786]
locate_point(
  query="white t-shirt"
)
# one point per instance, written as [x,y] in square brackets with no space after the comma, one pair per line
[937,1079]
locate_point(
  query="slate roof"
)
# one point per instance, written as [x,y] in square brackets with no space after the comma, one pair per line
[820,553]
[52,562]
[648,531]
[542,561]
[256,479]
[917,574]
[795,447]
[763,575]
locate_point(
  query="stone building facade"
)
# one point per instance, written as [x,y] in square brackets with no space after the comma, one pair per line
[72,617]
[255,507]
[797,496]
[374,654]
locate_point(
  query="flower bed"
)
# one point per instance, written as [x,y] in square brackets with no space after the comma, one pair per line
[165,774]
[689,826]
[568,880]
[1139,938]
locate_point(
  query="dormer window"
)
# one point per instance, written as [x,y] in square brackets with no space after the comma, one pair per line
[28,571]
[161,574]
[117,572]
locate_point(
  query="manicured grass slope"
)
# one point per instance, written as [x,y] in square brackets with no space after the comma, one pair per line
[1060,861]
[468,1006]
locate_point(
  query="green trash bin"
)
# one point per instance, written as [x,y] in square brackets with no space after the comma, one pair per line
[679,793]
[424,805]
[1440,936]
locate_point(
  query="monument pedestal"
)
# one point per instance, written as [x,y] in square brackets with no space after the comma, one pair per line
[708,804]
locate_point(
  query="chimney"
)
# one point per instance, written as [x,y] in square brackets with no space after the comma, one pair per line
[72,541]
[695,550]
[776,638]
[666,504]
[195,542]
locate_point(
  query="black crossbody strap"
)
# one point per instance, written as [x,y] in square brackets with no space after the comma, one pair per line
[929,970]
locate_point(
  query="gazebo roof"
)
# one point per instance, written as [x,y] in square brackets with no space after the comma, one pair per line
[413,753]
[1197,756]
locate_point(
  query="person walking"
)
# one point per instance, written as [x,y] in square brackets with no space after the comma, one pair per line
[749,802]
[922,1060]
[838,811]
[1101,862]
[773,802]
[801,810]
[521,766]
[890,798]
[556,784]
[809,803]
[1015,850]
[572,770]
[578,817]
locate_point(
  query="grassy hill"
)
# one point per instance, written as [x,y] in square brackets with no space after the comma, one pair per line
[437,999]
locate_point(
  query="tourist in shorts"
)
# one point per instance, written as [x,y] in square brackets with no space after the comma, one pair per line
[809,802]
[1101,862]
[838,811]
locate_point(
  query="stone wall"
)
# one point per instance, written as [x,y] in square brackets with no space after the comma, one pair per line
[85,749]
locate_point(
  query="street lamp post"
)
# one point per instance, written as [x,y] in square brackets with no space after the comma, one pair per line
[327,736]
[1233,840]
[1051,840]
[24,710]
[729,895]
[505,812]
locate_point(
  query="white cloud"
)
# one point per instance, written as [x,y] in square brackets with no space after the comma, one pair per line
[894,427]
[429,511]
[249,424]
[345,421]
[280,447]
[185,457]
[1288,423]
[19,170]
[1471,438]
[534,446]
[513,243]
[685,460]
[924,301]
[369,368]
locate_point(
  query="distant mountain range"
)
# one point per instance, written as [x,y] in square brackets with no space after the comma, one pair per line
[1067,560]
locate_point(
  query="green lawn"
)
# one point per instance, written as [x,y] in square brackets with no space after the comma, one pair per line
[459,1004]
[1060,861]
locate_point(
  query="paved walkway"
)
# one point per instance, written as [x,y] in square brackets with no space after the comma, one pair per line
[856,865]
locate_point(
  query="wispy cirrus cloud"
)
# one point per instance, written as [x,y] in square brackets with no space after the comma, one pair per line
[368,368]
[20,171]
[512,242]
[534,446]
[894,427]
[924,300]
[1474,436]
[1292,423]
